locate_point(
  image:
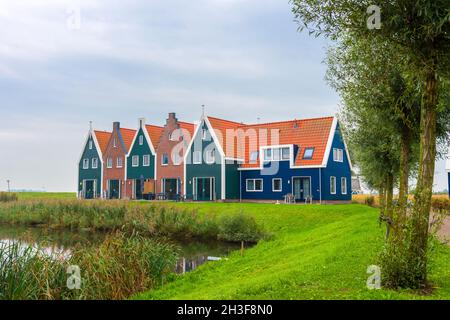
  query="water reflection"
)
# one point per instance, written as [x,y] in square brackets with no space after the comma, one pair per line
[57,244]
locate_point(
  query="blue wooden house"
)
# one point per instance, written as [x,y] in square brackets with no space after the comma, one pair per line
[299,160]
[447,169]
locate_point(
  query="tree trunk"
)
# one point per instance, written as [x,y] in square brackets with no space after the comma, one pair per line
[401,210]
[389,203]
[417,262]
[382,198]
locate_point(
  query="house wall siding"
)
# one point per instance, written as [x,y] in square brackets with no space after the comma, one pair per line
[338,170]
[140,150]
[166,146]
[448,184]
[115,173]
[232,181]
[203,170]
[90,174]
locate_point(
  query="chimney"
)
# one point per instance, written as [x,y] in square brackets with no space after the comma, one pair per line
[116,125]
[141,122]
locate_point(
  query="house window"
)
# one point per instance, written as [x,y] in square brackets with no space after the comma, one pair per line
[90,145]
[333,185]
[165,159]
[114,143]
[109,163]
[254,156]
[277,185]
[119,162]
[197,157]
[344,185]
[254,185]
[277,154]
[338,155]
[308,153]
[85,163]
[176,158]
[146,160]
[135,161]
[211,156]
[141,140]
[94,163]
[267,154]
[285,154]
[204,134]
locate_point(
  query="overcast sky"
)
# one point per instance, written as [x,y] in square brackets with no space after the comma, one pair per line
[243,59]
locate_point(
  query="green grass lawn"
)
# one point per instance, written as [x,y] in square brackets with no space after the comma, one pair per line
[318,252]
[46,195]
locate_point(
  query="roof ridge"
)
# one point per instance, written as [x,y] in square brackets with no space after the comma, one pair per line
[287,121]
[230,121]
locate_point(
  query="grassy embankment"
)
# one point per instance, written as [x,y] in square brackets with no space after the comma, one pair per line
[318,252]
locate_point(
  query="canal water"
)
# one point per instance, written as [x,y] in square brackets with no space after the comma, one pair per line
[59,242]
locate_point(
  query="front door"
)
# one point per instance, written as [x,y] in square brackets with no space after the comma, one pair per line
[89,189]
[203,189]
[170,188]
[139,189]
[114,189]
[302,188]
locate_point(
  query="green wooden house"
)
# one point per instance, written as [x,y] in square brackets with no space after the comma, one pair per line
[140,161]
[211,168]
[90,165]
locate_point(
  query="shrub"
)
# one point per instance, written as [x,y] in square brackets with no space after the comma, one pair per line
[370,201]
[239,227]
[441,204]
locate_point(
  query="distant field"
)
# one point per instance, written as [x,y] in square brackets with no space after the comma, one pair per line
[361,198]
[46,195]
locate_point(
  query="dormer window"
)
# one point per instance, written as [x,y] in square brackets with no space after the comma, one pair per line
[308,153]
[254,156]
[277,154]
[141,140]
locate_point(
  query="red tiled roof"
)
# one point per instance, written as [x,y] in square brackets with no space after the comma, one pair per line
[127,136]
[154,132]
[190,127]
[306,133]
[102,139]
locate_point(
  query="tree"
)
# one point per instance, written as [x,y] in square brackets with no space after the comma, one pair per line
[420,31]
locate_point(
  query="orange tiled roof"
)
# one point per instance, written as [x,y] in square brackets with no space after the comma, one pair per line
[229,144]
[102,139]
[154,132]
[190,127]
[127,136]
[306,133]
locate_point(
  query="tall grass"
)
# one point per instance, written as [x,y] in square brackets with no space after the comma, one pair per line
[149,220]
[8,197]
[119,267]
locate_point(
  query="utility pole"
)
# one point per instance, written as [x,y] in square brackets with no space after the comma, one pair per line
[8,181]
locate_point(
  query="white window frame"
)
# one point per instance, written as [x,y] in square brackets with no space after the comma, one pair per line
[276,153]
[146,160]
[94,164]
[252,160]
[114,143]
[254,185]
[281,185]
[204,134]
[210,156]
[135,161]
[333,185]
[163,156]
[109,162]
[141,140]
[119,162]
[312,153]
[338,155]
[177,159]
[90,145]
[194,158]
[85,164]
[343,181]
